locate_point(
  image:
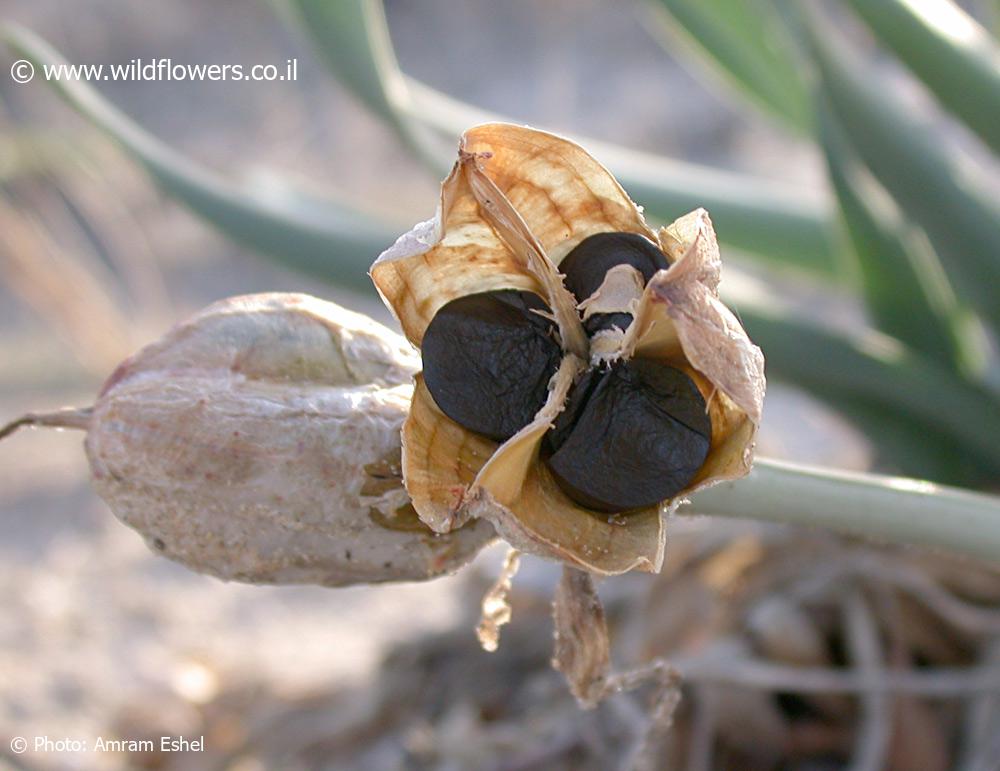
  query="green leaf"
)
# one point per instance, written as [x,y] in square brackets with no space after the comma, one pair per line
[337,241]
[782,225]
[949,51]
[352,39]
[890,509]
[935,186]
[357,47]
[743,42]
[324,237]
[880,375]
[779,223]
[905,446]
[905,288]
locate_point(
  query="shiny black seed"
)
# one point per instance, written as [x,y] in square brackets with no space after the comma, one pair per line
[631,436]
[600,321]
[586,265]
[566,421]
[488,359]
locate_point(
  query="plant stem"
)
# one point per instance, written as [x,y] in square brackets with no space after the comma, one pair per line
[895,509]
[71,417]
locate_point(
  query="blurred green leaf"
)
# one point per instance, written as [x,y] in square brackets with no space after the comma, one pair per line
[24,153]
[782,224]
[743,42]
[955,57]
[337,243]
[358,48]
[873,376]
[327,238]
[904,446]
[934,185]
[352,39]
[905,288]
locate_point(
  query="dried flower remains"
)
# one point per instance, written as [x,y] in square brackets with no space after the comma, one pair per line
[580,375]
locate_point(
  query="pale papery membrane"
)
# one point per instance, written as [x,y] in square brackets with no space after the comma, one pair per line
[681,320]
[415,278]
[527,198]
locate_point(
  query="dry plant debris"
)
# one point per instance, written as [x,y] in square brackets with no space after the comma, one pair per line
[796,651]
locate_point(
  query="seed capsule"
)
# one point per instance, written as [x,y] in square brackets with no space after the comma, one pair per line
[644,423]
[259,442]
[526,210]
[488,359]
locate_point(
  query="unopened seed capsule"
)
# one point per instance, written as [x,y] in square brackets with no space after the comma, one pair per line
[259,442]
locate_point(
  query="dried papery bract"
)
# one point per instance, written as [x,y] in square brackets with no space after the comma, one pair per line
[582,649]
[583,655]
[259,442]
[496,609]
[681,320]
[517,203]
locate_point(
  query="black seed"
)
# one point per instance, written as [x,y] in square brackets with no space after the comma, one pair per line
[630,437]
[600,321]
[566,421]
[488,359]
[584,268]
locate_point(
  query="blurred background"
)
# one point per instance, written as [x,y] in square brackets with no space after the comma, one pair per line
[853,185]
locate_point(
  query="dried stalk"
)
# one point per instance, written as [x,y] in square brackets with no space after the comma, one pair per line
[66,418]
[875,731]
[751,673]
[982,721]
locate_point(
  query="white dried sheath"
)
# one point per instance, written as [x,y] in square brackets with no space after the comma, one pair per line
[259,441]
